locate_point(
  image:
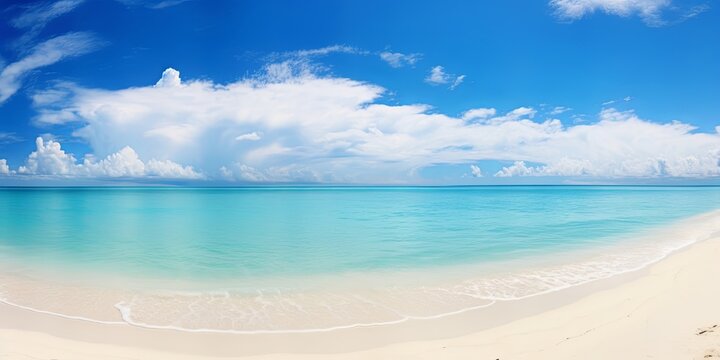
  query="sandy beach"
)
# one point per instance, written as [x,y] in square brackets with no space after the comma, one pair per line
[351,180]
[666,311]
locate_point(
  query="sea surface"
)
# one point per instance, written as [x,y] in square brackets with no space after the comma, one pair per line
[276,259]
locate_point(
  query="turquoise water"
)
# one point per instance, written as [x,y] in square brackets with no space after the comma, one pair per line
[246,232]
[317,259]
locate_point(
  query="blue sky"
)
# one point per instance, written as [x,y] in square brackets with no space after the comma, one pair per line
[407,92]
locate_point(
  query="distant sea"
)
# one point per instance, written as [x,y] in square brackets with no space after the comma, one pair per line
[267,259]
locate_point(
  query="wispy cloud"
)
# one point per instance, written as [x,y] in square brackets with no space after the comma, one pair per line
[397,60]
[475,171]
[438,76]
[559,110]
[9,138]
[652,12]
[166,4]
[307,59]
[44,54]
[36,16]
[458,80]
[153,4]
[327,50]
[613,101]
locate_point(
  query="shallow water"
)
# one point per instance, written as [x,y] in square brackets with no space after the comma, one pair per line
[276,259]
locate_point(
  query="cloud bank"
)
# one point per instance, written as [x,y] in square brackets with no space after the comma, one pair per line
[50,159]
[306,128]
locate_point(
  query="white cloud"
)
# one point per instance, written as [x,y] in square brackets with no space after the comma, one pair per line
[44,54]
[4,168]
[398,60]
[152,4]
[475,171]
[458,80]
[518,168]
[624,99]
[9,138]
[521,113]
[332,49]
[479,114]
[42,13]
[276,174]
[650,11]
[170,78]
[559,110]
[627,151]
[166,4]
[36,16]
[438,76]
[253,136]
[167,169]
[50,159]
[332,129]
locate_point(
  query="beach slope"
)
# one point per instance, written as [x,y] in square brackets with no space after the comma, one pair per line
[670,310]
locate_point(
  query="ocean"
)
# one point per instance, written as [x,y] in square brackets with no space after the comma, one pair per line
[284,259]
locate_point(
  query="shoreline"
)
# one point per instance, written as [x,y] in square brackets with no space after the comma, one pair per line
[113,309]
[682,289]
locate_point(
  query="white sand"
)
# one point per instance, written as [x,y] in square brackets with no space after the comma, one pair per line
[657,313]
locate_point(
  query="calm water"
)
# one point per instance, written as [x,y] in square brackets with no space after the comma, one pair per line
[237,240]
[198,233]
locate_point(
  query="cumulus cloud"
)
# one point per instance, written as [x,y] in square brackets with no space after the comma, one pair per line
[650,11]
[438,76]
[518,168]
[4,168]
[332,129]
[44,54]
[627,151]
[170,78]
[50,159]
[397,60]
